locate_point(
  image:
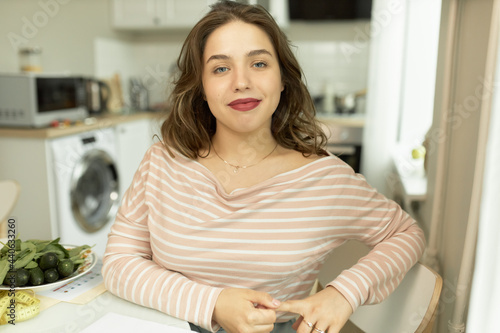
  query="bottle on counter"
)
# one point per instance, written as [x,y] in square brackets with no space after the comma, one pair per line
[30,59]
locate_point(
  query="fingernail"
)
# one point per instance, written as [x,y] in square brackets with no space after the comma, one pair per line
[276,302]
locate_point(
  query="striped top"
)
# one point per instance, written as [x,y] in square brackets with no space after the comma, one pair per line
[179,238]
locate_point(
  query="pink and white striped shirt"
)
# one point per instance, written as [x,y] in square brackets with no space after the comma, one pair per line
[179,238]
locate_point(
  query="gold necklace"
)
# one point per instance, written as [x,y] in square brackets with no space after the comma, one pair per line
[238,167]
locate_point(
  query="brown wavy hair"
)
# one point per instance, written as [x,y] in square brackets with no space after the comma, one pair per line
[190,124]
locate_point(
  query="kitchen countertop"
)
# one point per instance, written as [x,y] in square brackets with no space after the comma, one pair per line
[91,123]
[343,129]
[350,120]
[107,120]
[67,317]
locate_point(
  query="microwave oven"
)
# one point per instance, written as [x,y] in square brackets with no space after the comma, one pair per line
[36,100]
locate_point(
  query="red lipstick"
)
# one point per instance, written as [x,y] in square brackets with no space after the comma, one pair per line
[244,104]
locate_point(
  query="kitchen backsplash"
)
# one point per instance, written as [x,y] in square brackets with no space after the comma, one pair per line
[150,63]
[342,65]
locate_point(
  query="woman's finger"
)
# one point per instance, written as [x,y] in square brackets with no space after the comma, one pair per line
[321,327]
[306,326]
[244,310]
[297,307]
[305,323]
[262,299]
[261,316]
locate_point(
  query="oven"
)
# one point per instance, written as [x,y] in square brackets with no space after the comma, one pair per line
[345,138]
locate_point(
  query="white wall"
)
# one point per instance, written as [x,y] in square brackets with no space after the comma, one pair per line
[64,29]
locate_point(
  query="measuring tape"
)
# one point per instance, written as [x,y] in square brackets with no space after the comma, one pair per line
[26,306]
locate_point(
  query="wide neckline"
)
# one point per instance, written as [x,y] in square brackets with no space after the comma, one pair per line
[276,179]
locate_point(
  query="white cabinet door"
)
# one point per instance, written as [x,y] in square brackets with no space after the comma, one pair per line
[134,14]
[182,13]
[133,140]
[158,14]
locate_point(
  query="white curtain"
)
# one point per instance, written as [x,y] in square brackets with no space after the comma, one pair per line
[484,307]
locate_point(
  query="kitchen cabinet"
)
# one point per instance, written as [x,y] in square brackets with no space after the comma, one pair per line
[172,14]
[157,14]
[134,14]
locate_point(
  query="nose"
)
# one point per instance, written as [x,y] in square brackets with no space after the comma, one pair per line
[241,80]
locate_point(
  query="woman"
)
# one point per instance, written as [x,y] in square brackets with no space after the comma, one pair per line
[230,218]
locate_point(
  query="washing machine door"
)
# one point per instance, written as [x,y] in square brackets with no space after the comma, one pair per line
[94,190]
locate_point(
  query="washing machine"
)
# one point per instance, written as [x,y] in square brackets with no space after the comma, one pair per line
[87,187]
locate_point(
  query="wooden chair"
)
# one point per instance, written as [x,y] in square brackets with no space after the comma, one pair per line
[411,307]
[9,193]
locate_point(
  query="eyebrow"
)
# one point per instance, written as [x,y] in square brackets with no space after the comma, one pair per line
[252,53]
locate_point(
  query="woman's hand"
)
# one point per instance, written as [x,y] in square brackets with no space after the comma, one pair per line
[245,310]
[324,311]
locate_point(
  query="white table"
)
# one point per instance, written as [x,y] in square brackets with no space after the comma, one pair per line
[71,318]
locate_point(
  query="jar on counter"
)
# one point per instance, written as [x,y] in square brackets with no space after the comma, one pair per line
[30,59]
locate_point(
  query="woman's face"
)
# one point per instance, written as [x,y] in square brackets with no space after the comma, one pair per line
[241,78]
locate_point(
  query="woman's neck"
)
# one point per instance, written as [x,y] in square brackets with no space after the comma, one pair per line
[243,150]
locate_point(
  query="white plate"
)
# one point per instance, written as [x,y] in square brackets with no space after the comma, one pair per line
[84,268]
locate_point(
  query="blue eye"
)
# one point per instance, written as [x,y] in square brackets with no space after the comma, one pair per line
[260,64]
[220,70]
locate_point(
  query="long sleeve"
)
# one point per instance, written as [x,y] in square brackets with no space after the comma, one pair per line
[397,243]
[131,272]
